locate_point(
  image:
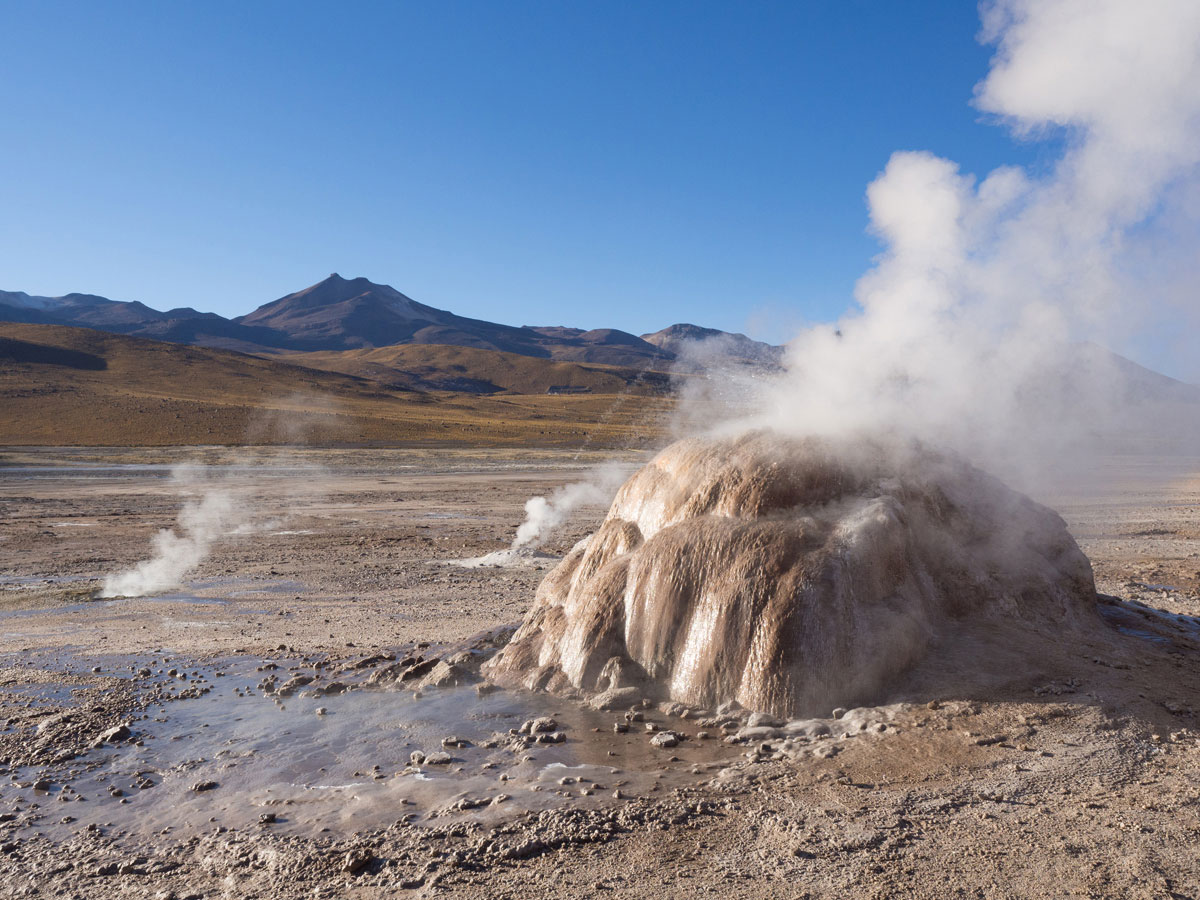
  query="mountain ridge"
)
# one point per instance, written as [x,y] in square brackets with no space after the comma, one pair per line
[335,314]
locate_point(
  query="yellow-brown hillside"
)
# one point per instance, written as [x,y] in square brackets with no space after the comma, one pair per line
[78,387]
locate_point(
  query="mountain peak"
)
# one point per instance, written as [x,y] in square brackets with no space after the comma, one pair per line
[354,312]
[684,338]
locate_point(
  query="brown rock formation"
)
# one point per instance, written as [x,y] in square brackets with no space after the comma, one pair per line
[792,575]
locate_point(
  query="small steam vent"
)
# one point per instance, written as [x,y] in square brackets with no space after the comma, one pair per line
[793,575]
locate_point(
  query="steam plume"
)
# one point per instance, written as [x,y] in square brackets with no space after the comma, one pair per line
[202,521]
[963,326]
[544,514]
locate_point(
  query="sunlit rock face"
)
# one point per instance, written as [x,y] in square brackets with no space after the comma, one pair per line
[792,575]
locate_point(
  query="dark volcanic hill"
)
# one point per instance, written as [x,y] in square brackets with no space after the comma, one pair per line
[183,325]
[346,314]
[335,314]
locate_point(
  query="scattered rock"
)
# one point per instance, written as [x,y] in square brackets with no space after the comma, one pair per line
[759,733]
[357,860]
[293,684]
[445,674]
[615,698]
[418,669]
[112,735]
[806,728]
[762,720]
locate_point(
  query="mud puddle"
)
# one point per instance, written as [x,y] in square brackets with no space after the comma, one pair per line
[84,591]
[212,750]
[1148,623]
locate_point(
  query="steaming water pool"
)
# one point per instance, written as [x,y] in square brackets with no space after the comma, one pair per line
[341,771]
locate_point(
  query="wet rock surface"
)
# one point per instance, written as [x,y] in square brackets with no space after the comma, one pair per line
[1074,777]
[788,575]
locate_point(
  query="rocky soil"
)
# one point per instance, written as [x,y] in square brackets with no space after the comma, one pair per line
[1076,778]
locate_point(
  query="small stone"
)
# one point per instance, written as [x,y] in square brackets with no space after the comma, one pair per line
[444,675]
[321,710]
[615,698]
[293,684]
[438,759]
[357,860]
[267,819]
[201,786]
[665,739]
[120,732]
[759,720]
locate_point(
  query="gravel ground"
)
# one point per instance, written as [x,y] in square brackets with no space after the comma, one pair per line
[1072,777]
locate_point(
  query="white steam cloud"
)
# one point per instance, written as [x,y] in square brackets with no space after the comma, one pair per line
[234,499]
[964,327]
[203,520]
[545,514]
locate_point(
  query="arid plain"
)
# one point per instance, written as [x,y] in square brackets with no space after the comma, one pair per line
[248,735]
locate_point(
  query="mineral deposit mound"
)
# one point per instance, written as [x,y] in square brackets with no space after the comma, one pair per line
[792,575]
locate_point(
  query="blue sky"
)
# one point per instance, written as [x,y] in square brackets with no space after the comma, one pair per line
[594,164]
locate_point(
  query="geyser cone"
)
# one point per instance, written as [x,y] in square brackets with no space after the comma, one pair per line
[791,575]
